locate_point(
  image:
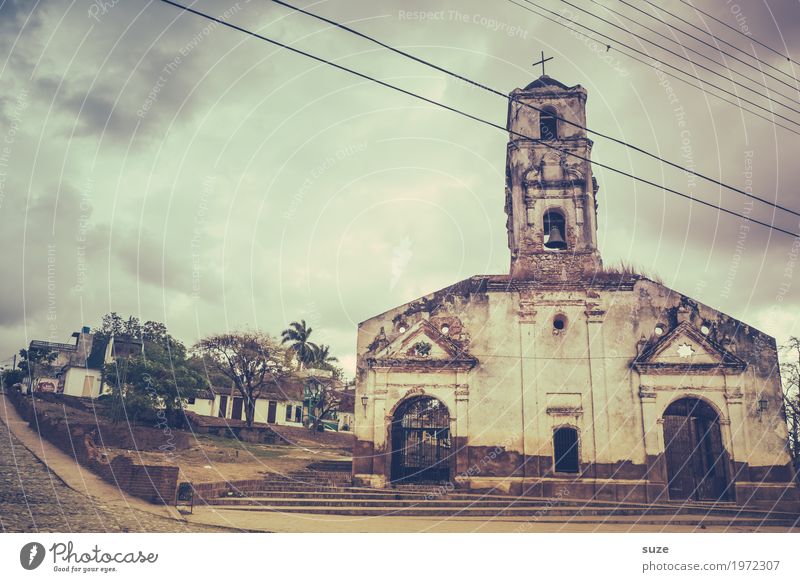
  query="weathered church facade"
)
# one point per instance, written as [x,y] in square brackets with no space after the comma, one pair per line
[562,379]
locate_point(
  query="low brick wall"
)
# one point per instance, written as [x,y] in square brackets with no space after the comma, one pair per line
[233,429]
[154,483]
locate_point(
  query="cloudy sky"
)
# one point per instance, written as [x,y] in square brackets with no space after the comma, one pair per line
[154,164]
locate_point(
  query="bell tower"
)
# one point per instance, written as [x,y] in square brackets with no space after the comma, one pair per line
[550,195]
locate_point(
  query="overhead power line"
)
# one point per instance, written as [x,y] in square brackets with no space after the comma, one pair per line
[691,62]
[473,117]
[736,30]
[692,50]
[641,52]
[528,105]
[655,65]
[716,38]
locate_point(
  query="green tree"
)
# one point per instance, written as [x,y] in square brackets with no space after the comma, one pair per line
[323,399]
[114,325]
[296,335]
[323,358]
[12,376]
[37,363]
[159,381]
[251,361]
[150,332]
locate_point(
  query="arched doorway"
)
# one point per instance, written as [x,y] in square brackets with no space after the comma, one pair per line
[421,445]
[697,463]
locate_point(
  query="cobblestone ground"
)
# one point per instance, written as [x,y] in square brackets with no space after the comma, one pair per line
[32,499]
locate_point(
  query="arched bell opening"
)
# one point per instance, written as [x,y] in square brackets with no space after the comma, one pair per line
[548,124]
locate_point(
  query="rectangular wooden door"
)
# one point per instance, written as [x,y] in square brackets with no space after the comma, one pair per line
[223,406]
[236,413]
[679,443]
[272,411]
[88,381]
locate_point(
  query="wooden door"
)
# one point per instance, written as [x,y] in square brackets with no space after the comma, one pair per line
[679,442]
[236,413]
[696,458]
[272,411]
[88,382]
[223,406]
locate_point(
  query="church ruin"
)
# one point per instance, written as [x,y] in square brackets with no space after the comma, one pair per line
[561,378]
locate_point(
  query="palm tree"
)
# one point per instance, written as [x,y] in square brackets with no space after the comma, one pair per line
[323,357]
[297,336]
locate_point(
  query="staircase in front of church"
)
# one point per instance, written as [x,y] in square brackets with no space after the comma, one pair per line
[315,492]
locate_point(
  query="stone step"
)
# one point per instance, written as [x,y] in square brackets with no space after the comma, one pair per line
[313,491]
[313,495]
[343,493]
[338,466]
[527,505]
[312,473]
[446,504]
[301,478]
[289,481]
[535,505]
[623,516]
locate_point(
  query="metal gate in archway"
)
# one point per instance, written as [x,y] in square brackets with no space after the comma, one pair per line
[421,444]
[696,458]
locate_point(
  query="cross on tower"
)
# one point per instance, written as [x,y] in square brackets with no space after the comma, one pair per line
[542,62]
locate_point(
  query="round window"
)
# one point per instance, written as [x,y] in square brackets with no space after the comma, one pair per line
[559,322]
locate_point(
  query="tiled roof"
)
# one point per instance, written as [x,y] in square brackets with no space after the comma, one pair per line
[289,389]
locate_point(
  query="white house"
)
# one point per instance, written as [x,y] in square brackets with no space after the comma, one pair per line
[281,404]
[78,367]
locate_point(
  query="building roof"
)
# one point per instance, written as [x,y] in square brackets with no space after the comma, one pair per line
[288,389]
[52,346]
[545,81]
[347,401]
[97,355]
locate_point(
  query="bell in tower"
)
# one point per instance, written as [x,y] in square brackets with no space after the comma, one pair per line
[554,231]
[550,191]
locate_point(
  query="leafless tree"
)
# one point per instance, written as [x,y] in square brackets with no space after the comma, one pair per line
[790,372]
[250,360]
[324,398]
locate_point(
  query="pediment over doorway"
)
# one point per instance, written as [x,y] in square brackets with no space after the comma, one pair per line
[686,349]
[423,346]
